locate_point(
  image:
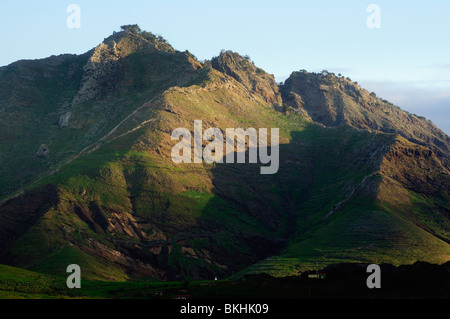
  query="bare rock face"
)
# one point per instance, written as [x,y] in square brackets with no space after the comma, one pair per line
[99,73]
[252,77]
[64,119]
[43,151]
[295,101]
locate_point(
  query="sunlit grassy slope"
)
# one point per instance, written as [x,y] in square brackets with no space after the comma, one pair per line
[203,220]
[112,200]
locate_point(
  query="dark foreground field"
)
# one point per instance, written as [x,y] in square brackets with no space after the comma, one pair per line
[341,281]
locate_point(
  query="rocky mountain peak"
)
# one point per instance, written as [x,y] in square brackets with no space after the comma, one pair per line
[243,70]
[103,66]
[334,100]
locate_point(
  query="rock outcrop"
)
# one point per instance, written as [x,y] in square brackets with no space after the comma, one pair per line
[43,151]
[253,78]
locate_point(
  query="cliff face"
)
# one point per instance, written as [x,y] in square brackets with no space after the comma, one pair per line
[359,180]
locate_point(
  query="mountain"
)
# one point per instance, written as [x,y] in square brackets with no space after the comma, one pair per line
[87,175]
[335,100]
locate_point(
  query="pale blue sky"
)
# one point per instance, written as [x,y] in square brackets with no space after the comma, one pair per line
[406,61]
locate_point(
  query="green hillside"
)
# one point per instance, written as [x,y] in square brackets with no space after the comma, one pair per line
[109,198]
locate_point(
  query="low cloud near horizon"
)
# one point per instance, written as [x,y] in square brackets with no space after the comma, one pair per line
[431,102]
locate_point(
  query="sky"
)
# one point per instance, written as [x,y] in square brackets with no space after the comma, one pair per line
[401,51]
